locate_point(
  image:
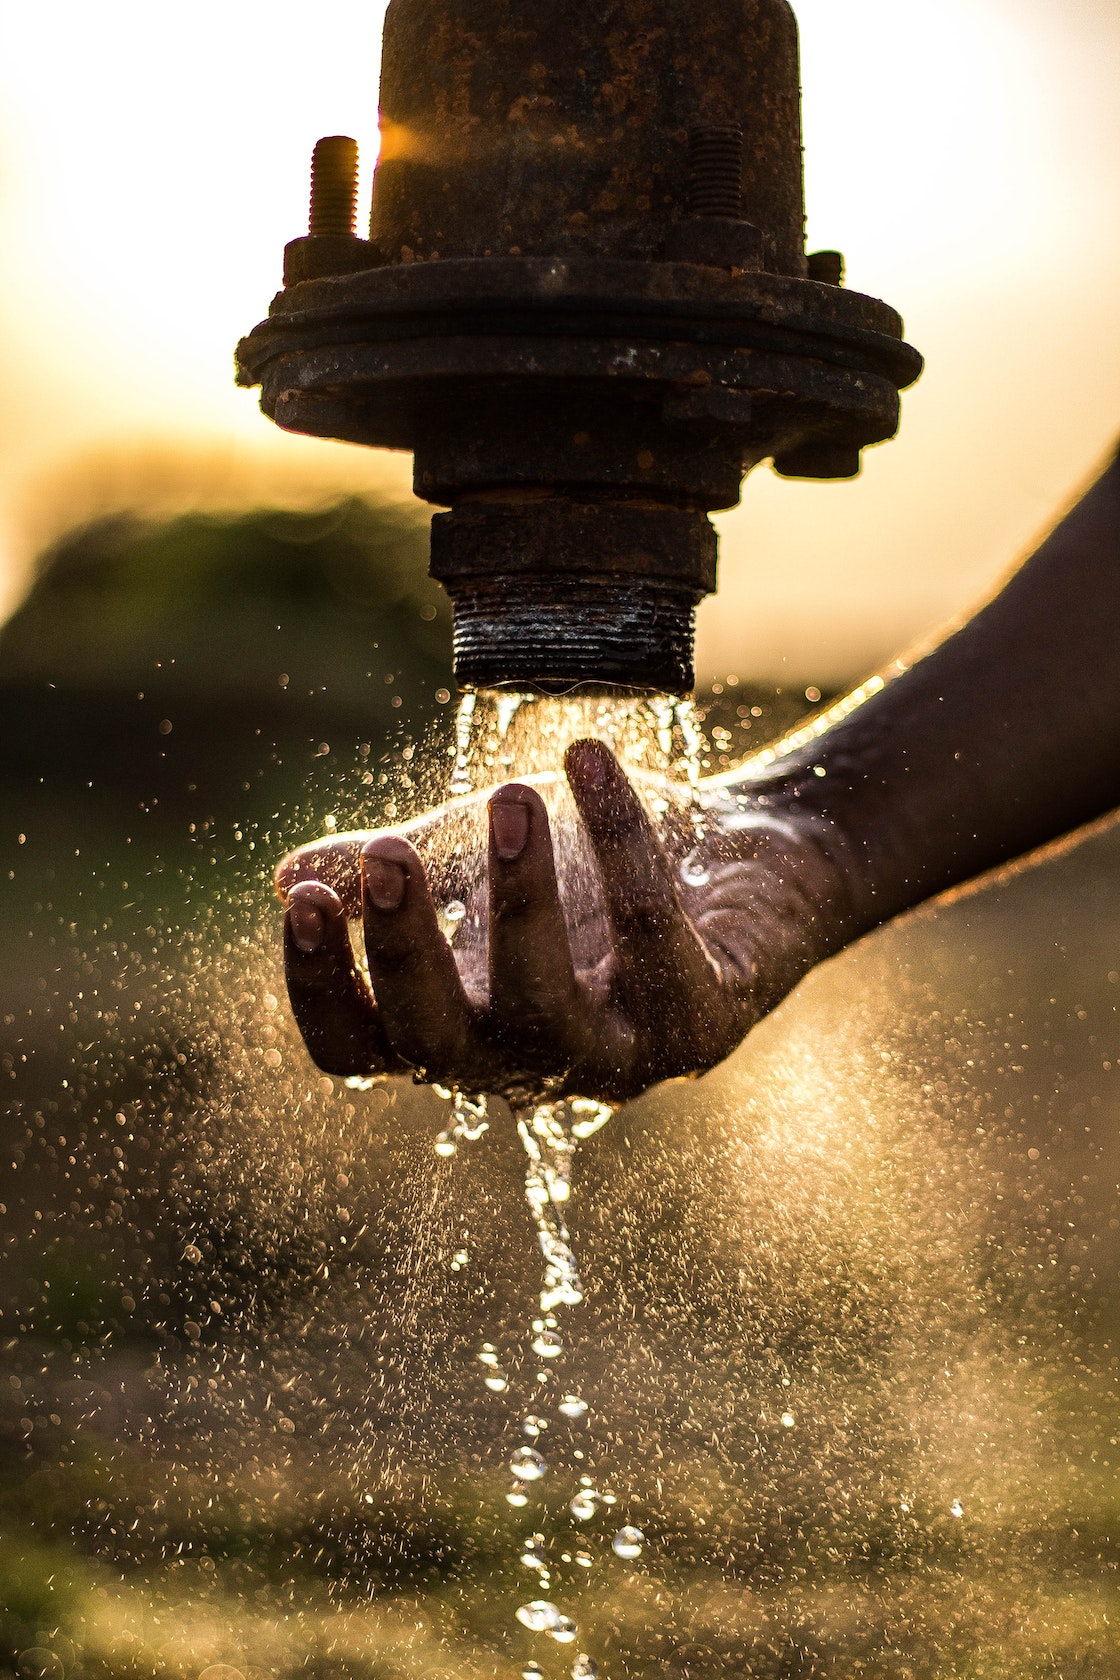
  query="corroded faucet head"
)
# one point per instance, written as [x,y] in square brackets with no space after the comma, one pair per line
[585,306]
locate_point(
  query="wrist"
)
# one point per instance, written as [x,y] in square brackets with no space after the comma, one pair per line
[801,877]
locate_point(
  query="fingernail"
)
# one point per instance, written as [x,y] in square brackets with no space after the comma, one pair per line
[308,924]
[509,823]
[591,762]
[384,883]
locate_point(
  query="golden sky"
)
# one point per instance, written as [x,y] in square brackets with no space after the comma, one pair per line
[964,154]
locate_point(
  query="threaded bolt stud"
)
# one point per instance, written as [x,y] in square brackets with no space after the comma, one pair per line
[715,170]
[334,187]
[826,267]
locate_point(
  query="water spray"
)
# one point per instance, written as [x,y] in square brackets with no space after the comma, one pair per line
[586,308]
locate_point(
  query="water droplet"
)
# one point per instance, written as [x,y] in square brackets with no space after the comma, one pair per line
[584,1559]
[516,1497]
[527,1465]
[539,1616]
[695,871]
[585,1504]
[533,1426]
[496,1382]
[548,1344]
[532,1561]
[571,1406]
[584,1669]
[532,1671]
[564,1632]
[193,1254]
[788,1420]
[589,1116]
[454,911]
[445,1145]
[628,1543]
[956,1509]
[488,1354]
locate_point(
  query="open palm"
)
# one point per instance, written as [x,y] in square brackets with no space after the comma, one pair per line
[683,943]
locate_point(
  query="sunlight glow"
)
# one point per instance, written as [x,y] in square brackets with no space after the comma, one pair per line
[960,153]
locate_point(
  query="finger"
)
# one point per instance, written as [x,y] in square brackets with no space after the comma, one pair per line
[662,959]
[334,860]
[535,1003]
[331,1002]
[420,997]
[445,837]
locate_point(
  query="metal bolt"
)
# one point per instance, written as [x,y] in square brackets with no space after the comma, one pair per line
[715,170]
[820,458]
[826,267]
[334,187]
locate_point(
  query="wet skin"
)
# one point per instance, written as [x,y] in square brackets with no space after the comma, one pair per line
[658,979]
[1004,737]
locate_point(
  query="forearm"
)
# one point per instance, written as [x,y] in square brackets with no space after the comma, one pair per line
[1001,738]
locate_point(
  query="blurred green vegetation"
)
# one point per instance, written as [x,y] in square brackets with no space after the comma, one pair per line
[196,671]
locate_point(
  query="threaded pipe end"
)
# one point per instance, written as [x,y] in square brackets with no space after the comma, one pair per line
[715,170]
[334,187]
[588,631]
[554,594]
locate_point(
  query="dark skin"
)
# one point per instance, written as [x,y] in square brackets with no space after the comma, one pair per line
[1003,737]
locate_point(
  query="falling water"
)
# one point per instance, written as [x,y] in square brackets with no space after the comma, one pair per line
[509,735]
[464,725]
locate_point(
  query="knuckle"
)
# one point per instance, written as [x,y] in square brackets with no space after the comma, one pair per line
[647,913]
[396,952]
[514,904]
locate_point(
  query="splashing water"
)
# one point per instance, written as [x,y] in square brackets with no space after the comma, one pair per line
[470,1120]
[527,1465]
[539,1616]
[500,735]
[628,1543]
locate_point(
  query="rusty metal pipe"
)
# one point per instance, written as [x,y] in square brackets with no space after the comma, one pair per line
[586,308]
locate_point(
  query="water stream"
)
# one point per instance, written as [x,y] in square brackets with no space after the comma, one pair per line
[503,736]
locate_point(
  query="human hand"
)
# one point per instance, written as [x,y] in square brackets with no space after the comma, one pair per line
[651,964]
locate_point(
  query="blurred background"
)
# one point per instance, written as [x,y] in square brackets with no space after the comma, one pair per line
[241,1436]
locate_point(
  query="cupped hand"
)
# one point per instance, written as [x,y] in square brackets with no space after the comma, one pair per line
[678,944]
